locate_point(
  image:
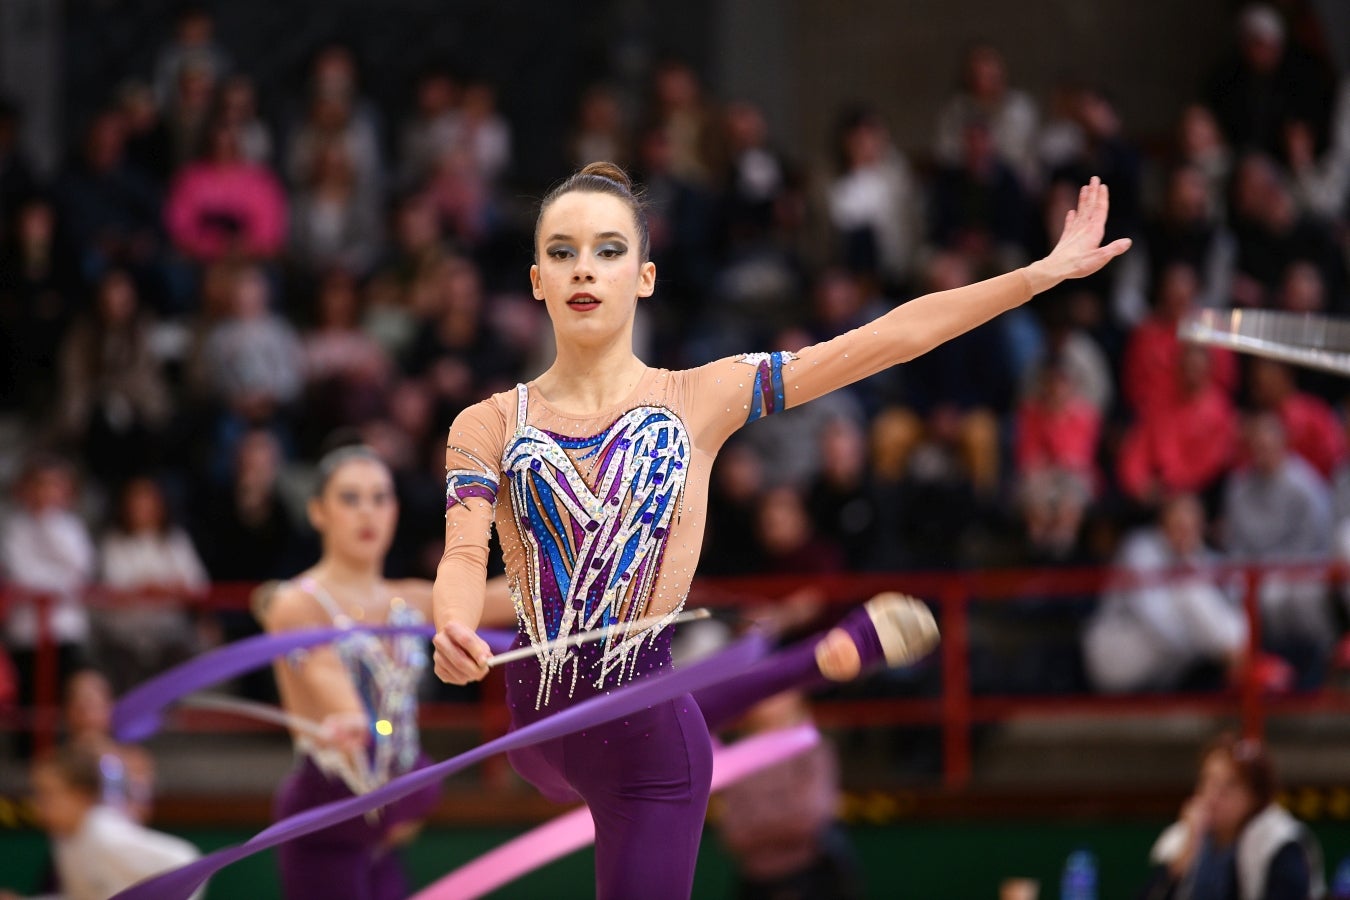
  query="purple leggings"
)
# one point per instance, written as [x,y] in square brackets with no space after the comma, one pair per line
[347,860]
[646,778]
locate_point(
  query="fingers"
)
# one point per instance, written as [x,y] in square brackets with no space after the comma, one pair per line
[1117,247]
[460,654]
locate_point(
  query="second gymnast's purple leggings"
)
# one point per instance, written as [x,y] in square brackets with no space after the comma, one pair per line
[347,860]
[646,778]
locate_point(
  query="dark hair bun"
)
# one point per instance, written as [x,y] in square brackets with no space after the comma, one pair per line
[609,171]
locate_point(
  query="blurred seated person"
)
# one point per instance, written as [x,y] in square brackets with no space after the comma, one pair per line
[841,499]
[873,202]
[1233,841]
[108,208]
[1310,425]
[346,371]
[1159,635]
[1200,144]
[1056,453]
[1081,357]
[1272,232]
[1189,229]
[1185,446]
[250,360]
[128,770]
[248,535]
[335,222]
[786,539]
[1150,376]
[225,205]
[780,826]
[1277,509]
[955,394]
[152,568]
[40,291]
[1266,83]
[1107,153]
[1010,113]
[46,550]
[114,403]
[99,852]
[978,205]
[337,112]
[733,495]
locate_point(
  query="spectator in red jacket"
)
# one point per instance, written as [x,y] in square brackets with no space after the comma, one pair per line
[1183,447]
[1310,424]
[1057,433]
[1152,357]
[224,205]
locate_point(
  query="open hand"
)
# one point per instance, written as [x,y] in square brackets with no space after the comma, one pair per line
[1079,252]
[460,654]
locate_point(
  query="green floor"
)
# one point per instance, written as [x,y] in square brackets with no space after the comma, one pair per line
[948,860]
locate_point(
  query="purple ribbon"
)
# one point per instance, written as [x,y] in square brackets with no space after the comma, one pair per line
[180,883]
[139,713]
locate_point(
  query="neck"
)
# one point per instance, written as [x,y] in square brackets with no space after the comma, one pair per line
[339,573]
[592,378]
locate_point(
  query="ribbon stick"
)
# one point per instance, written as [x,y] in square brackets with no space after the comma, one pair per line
[596,634]
[180,883]
[574,830]
[253,710]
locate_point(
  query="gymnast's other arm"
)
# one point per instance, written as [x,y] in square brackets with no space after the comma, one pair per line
[462,597]
[904,333]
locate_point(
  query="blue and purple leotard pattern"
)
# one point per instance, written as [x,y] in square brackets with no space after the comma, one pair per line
[767,395]
[594,547]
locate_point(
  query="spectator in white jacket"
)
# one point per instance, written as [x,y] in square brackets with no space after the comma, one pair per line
[98,851]
[153,572]
[1154,629]
[46,552]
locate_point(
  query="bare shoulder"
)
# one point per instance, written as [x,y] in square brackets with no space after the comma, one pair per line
[288,607]
[415,591]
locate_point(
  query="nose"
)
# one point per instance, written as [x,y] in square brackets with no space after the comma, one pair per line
[581,271]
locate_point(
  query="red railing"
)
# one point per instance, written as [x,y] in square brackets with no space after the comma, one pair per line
[956,710]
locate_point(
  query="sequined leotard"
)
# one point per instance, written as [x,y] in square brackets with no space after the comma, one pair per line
[601,519]
[348,860]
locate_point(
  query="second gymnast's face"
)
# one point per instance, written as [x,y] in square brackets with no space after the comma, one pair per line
[590,270]
[357,511]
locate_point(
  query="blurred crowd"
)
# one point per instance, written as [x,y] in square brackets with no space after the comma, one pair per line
[216,282]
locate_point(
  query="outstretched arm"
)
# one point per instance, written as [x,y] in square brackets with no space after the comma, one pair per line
[734,392]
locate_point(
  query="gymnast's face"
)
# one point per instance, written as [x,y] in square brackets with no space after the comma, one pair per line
[590,270]
[356,512]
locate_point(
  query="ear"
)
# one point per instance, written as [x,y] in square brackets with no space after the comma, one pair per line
[647,279]
[535,284]
[315,514]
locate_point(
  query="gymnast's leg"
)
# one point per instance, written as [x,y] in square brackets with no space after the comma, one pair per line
[646,780]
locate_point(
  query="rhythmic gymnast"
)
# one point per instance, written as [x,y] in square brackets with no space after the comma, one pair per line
[604,465]
[358,694]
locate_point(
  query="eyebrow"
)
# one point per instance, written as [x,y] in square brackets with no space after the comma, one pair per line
[603,235]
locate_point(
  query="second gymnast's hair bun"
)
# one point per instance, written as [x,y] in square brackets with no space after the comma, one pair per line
[610,171]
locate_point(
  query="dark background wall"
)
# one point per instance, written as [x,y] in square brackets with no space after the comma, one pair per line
[800,59]
[804,58]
